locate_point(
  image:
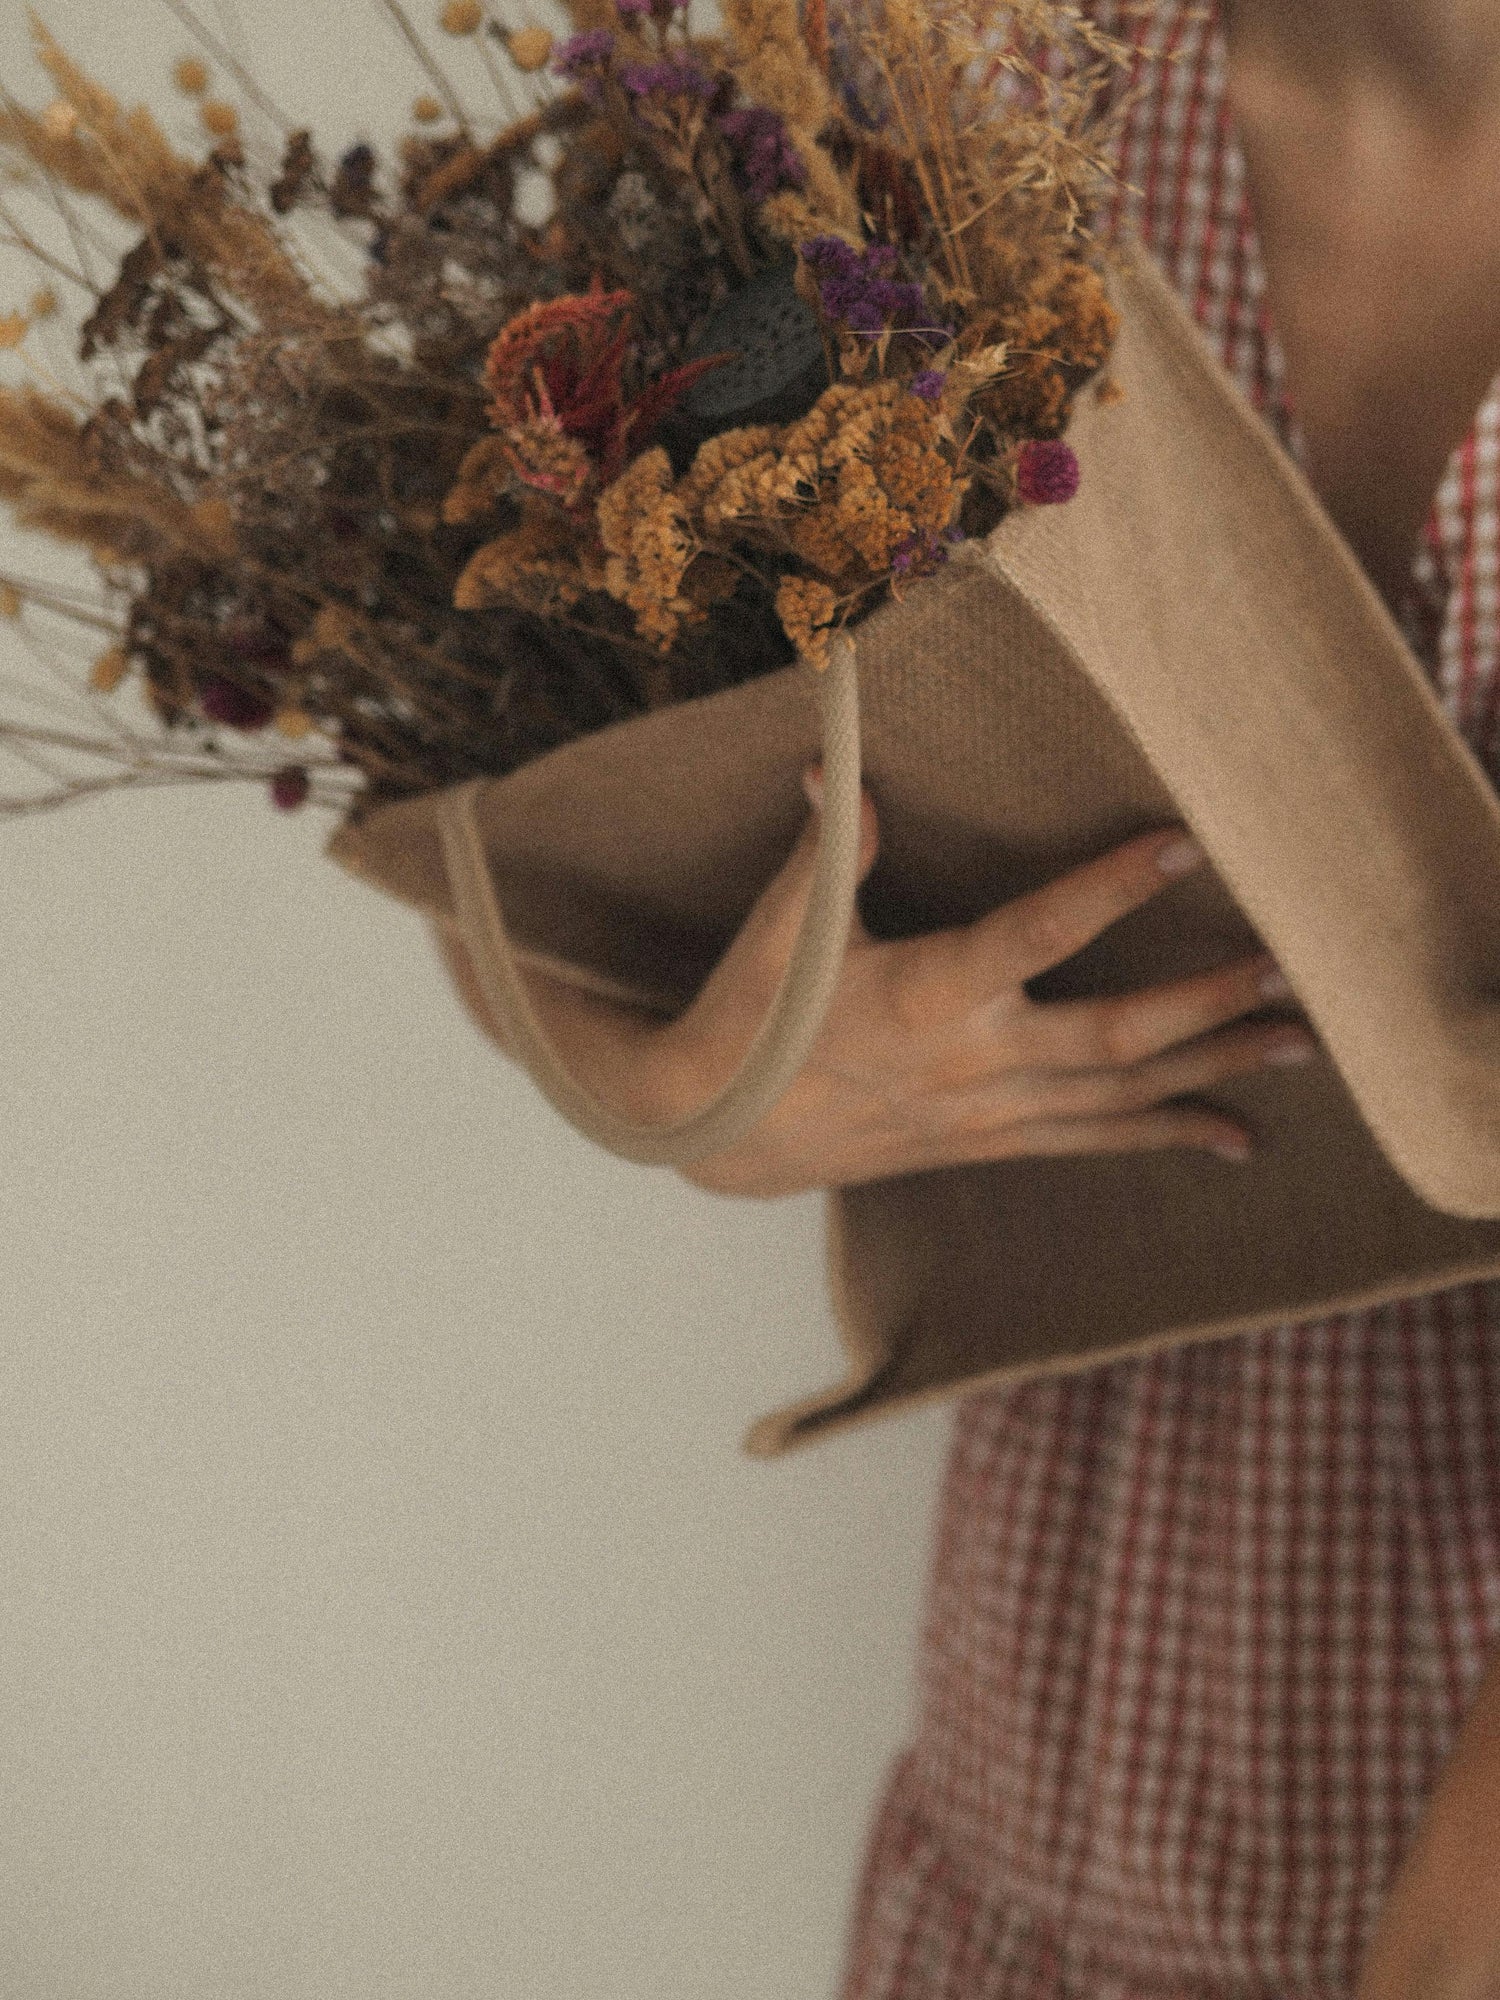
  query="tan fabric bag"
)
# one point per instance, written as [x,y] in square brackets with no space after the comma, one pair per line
[1189,639]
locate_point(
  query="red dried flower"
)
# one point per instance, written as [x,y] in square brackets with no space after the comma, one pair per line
[558,369]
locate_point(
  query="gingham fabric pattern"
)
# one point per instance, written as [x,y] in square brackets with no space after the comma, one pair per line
[1201,1628]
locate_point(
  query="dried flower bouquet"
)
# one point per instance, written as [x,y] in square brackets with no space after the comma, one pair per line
[704,346]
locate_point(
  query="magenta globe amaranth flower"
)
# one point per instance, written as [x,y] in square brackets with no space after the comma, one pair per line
[1046,472]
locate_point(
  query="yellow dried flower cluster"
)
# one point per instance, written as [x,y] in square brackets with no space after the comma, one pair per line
[732,478]
[649,542]
[191,77]
[808,612]
[844,490]
[535,566]
[1063,329]
[873,458]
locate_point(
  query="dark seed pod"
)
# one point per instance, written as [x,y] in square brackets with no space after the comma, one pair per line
[781,365]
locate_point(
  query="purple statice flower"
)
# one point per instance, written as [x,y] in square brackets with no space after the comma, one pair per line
[852,72]
[856,287]
[928,384]
[919,554]
[765,156]
[633,6]
[581,53]
[1046,471]
[668,78]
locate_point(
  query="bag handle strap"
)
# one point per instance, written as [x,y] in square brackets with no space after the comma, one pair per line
[795,1018]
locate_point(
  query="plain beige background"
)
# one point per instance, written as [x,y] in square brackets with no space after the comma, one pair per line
[385,1606]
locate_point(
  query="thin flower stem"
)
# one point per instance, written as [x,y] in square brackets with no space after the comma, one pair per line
[51,598]
[434,70]
[22,239]
[509,103]
[45,374]
[227,60]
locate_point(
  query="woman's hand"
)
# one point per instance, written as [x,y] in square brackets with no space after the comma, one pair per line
[932,1054]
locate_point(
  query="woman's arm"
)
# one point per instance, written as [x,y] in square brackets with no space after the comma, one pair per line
[1439,1935]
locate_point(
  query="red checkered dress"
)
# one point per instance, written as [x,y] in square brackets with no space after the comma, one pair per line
[1202,1627]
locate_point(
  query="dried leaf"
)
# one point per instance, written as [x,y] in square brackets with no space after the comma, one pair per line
[298,169]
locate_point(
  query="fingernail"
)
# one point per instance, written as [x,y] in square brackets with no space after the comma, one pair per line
[1232,1149]
[812,784]
[1292,1052]
[1273,985]
[1179,857]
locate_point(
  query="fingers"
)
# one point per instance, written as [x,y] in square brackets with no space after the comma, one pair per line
[964,967]
[1003,1115]
[1143,1132]
[730,1006]
[1199,1065]
[772,927]
[1096,1034]
[1198,1128]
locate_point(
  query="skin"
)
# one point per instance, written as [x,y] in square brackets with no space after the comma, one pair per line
[1371,132]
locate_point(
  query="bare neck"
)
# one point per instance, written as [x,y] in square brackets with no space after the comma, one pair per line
[1371,151]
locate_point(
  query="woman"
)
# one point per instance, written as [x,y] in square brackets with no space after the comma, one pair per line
[1206,1695]
[1207,1704]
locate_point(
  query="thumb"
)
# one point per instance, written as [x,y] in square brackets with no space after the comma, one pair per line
[783,904]
[869,825]
[742,983]
[765,942]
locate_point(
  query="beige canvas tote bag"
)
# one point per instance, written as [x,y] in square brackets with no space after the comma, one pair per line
[1188,639]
